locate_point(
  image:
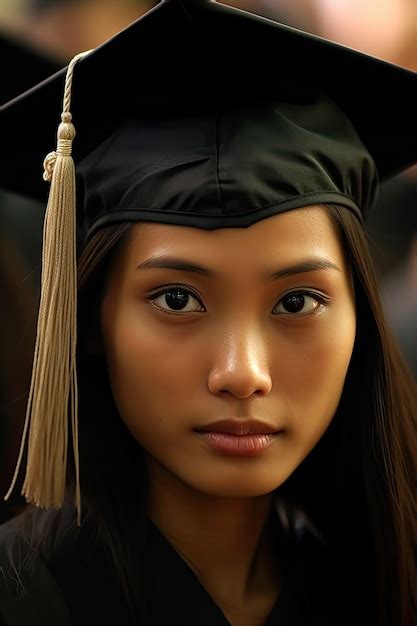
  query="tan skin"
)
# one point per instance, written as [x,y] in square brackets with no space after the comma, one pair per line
[232,351]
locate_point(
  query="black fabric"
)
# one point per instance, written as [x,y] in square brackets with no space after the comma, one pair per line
[300,602]
[29,595]
[228,168]
[204,60]
[81,583]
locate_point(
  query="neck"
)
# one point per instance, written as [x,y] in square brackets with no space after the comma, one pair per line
[227,542]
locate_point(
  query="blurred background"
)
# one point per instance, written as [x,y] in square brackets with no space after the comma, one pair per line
[37,37]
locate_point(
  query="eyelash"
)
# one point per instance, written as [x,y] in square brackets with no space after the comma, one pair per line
[320,299]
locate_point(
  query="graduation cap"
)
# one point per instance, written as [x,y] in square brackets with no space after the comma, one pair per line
[197,114]
[22,67]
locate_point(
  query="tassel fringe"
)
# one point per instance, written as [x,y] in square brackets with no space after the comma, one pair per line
[53,395]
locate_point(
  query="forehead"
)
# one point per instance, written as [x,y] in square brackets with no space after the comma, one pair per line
[288,236]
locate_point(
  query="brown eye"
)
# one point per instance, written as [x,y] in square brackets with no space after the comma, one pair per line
[175,299]
[300,302]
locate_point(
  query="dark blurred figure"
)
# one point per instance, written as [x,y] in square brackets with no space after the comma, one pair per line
[24,67]
[65,27]
[20,235]
[393,236]
[17,334]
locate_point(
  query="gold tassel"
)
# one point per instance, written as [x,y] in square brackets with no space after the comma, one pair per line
[53,391]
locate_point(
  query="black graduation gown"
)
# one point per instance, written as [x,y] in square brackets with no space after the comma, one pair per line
[77,585]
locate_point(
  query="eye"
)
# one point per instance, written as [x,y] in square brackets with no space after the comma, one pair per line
[177,299]
[300,303]
[180,300]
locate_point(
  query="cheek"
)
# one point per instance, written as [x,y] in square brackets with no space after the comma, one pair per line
[149,374]
[312,381]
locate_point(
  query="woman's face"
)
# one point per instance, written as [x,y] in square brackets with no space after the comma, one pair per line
[186,348]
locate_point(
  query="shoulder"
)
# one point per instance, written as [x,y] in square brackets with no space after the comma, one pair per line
[29,595]
[58,571]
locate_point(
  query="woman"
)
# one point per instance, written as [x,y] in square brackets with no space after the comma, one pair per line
[224,277]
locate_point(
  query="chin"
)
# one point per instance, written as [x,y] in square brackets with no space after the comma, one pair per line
[237,487]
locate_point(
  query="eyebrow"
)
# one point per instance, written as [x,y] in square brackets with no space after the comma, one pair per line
[174,263]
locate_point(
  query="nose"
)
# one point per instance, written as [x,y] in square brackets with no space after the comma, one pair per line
[241,365]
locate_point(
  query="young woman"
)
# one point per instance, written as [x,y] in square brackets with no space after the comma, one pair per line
[246,443]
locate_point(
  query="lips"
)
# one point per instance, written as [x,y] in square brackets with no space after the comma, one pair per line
[239,427]
[239,437]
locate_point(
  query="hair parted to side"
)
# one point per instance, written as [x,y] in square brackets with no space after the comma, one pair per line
[357,485]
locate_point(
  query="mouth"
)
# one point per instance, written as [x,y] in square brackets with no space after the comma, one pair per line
[240,427]
[239,437]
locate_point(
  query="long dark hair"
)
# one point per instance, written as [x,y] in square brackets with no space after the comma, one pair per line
[358,485]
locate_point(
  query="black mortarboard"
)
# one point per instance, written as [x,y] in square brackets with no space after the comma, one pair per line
[21,67]
[202,115]
[198,56]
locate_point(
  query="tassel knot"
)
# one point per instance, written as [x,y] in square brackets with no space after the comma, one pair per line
[48,166]
[65,136]
[66,130]
[64,147]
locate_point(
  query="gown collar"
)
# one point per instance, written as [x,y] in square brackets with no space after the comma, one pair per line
[173,589]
